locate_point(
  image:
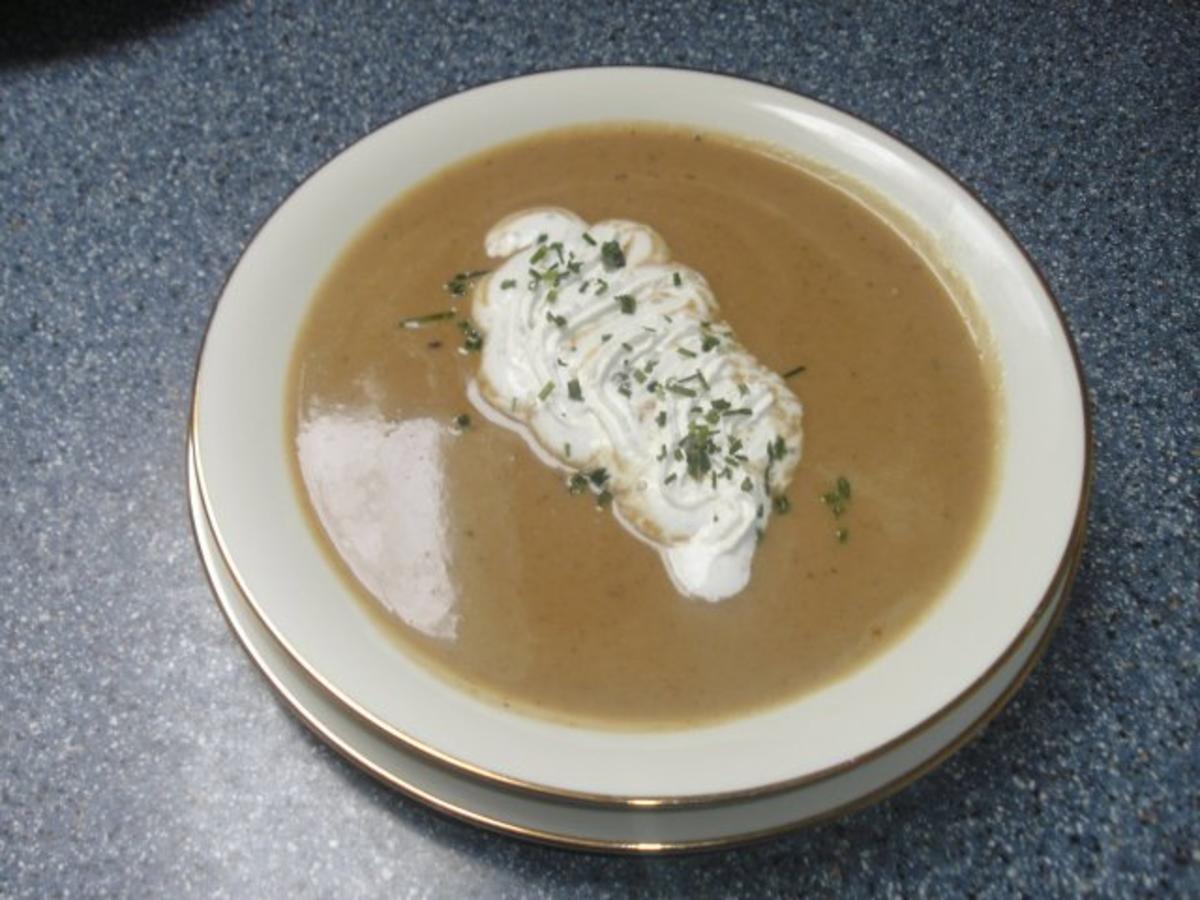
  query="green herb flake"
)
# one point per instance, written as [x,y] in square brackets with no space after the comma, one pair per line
[578,483]
[601,286]
[472,339]
[747,484]
[742,388]
[538,255]
[626,346]
[709,342]
[542,238]
[838,499]
[685,352]
[627,303]
[427,319]
[661,419]
[796,371]
[670,478]
[508,284]
[598,477]
[678,281]
[612,255]
[589,239]
[546,391]
[458,285]
[781,504]
[603,499]
[574,391]
[462,421]
[681,390]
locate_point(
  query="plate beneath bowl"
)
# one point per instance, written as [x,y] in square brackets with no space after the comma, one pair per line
[599,826]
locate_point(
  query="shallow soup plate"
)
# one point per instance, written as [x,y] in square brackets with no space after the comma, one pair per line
[886,720]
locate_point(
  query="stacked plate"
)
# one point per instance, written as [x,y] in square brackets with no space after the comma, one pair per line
[836,749]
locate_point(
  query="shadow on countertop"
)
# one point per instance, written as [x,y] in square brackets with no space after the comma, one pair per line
[38,31]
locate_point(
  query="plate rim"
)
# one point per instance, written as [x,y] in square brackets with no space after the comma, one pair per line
[1063,575]
[316,724]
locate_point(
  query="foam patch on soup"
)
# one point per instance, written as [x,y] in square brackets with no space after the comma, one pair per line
[614,363]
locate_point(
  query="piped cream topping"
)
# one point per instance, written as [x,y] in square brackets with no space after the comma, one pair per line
[613,361]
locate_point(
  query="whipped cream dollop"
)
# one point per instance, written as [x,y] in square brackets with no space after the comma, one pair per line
[613,361]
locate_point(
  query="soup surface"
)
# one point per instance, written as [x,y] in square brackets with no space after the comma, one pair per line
[477,559]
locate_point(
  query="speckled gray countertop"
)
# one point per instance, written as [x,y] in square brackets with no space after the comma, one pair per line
[140,752]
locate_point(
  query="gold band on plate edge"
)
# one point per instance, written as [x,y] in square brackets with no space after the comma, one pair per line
[510,829]
[1064,573]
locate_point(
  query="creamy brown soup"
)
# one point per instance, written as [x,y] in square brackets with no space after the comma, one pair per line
[478,561]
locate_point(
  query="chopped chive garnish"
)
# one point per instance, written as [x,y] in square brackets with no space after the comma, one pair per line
[538,255]
[542,238]
[574,391]
[612,255]
[678,281]
[601,286]
[472,339]
[457,286]
[508,283]
[560,321]
[578,483]
[781,504]
[742,387]
[839,498]
[546,391]
[625,390]
[681,390]
[603,499]
[598,476]
[567,449]
[740,411]
[462,421]
[796,371]
[639,376]
[747,484]
[627,303]
[709,343]
[591,240]
[661,418]
[427,319]
[627,347]
[685,352]
[669,478]
[605,338]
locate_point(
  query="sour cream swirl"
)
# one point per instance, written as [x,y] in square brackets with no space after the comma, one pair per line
[613,361]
